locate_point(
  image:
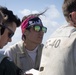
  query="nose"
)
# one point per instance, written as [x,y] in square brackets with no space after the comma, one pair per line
[41,32]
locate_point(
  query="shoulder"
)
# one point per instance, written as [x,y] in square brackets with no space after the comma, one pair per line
[64,31]
[16,44]
[15,47]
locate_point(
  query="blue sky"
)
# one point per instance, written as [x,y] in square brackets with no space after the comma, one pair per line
[52,20]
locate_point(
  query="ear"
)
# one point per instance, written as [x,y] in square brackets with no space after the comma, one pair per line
[73,17]
[26,32]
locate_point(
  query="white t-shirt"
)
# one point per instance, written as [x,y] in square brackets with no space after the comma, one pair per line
[32,53]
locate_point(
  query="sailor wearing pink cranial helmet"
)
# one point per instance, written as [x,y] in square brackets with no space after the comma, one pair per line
[26,53]
[31,20]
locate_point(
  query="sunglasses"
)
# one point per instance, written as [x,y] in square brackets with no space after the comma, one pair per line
[39,28]
[2,28]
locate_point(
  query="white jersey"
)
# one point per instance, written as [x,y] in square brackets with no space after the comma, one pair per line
[59,53]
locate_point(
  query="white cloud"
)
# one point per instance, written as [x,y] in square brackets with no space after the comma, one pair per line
[25,12]
[53,13]
[48,17]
